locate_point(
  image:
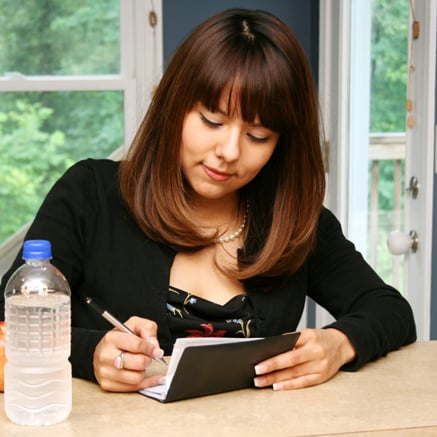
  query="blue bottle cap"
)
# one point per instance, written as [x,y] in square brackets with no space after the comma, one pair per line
[37,249]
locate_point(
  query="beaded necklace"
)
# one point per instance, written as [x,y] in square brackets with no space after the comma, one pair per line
[238,232]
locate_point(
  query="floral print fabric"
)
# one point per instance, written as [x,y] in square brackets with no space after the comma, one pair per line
[193,316]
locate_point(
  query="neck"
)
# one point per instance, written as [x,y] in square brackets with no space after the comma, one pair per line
[218,214]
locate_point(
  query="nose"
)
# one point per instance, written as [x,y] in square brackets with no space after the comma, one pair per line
[228,148]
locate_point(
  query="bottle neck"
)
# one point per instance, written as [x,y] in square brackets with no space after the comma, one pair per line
[37,262]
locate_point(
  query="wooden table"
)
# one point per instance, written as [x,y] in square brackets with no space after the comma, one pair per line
[396,395]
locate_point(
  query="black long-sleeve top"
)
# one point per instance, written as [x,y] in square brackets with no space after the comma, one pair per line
[104,254]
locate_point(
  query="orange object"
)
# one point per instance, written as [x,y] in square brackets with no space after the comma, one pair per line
[2,356]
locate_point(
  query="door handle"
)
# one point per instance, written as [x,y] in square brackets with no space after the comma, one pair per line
[413,187]
[399,242]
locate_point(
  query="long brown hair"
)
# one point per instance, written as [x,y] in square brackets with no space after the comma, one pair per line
[258,58]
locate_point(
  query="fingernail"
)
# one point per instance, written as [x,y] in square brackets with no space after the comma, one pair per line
[260,369]
[277,386]
[257,382]
[158,353]
[161,381]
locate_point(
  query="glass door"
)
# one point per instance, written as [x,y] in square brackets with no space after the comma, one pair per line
[379,77]
[377,93]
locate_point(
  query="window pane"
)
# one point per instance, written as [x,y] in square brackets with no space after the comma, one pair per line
[389,65]
[389,75]
[60,37]
[42,134]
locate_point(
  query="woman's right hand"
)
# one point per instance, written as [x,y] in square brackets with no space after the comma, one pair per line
[127,372]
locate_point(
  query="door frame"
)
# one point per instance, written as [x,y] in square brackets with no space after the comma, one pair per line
[420,163]
[336,17]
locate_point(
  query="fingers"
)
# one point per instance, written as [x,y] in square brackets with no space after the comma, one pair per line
[129,361]
[120,359]
[306,349]
[299,376]
[115,380]
[144,342]
[317,356]
[144,328]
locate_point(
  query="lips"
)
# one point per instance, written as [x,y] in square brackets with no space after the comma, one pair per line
[216,175]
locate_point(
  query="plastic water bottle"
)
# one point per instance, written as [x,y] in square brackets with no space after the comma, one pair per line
[38,340]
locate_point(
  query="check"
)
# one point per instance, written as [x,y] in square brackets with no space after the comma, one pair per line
[205,366]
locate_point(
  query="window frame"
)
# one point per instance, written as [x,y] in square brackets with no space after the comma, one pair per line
[141,61]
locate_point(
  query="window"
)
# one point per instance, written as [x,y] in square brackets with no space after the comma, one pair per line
[74,81]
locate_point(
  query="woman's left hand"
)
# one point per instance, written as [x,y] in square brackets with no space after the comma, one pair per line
[316,357]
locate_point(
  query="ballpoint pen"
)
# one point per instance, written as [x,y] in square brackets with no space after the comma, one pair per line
[115,322]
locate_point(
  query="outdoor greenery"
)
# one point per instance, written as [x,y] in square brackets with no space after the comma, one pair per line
[389,73]
[24,175]
[389,65]
[43,133]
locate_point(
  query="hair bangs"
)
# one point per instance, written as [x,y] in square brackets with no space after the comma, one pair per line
[240,74]
[260,91]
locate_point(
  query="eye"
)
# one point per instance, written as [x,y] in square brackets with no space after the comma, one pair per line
[209,122]
[256,139]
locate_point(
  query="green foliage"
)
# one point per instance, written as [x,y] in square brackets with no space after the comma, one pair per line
[43,133]
[389,65]
[60,37]
[92,121]
[389,77]
[95,21]
[24,177]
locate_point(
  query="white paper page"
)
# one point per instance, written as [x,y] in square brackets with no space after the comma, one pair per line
[160,391]
[157,391]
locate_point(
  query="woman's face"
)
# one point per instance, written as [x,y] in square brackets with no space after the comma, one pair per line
[220,152]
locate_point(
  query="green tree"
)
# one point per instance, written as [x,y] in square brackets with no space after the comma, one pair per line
[58,37]
[389,75]
[66,37]
[45,132]
[24,176]
[389,65]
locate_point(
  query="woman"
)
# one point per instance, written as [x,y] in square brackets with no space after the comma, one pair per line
[214,223]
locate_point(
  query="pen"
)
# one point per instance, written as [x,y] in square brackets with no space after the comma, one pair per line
[114,322]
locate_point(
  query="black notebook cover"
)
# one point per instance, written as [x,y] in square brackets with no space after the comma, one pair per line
[209,369]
